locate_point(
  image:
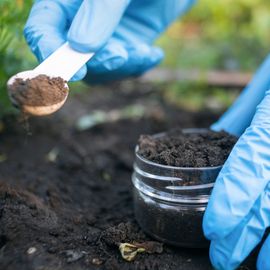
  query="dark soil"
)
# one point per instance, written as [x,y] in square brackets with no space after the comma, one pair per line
[169,222]
[180,149]
[66,195]
[39,91]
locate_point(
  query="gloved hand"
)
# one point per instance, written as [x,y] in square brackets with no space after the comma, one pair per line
[239,208]
[121,32]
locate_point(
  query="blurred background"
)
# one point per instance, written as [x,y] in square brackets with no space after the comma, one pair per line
[216,35]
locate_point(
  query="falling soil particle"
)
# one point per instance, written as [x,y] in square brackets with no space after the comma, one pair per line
[180,149]
[39,91]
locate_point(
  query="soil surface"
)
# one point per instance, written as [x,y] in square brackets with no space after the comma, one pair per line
[180,149]
[66,194]
[39,91]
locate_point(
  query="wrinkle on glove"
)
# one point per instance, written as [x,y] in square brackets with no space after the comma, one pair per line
[228,253]
[238,210]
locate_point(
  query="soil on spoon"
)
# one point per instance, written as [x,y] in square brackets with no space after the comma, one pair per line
[180,149]
[38,91]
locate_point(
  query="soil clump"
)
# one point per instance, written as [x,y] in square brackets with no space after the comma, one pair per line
[39,91]
[180,149]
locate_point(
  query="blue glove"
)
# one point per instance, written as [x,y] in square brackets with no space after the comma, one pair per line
[121,32]
[238,212]
[240,114]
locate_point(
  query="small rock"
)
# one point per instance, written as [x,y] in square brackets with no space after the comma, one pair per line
[31,250]
[52,155]
[73,255]
[97,261]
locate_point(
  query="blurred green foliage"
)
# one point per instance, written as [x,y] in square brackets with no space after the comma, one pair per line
[14,54]
[214,34]
[199,96]
[219,34]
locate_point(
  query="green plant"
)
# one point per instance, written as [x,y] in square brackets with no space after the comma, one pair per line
[14,54]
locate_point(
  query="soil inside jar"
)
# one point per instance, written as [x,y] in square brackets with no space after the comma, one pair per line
[180,223]
[38,91]
[180,149]
[169,223]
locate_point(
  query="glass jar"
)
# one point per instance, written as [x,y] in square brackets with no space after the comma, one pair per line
[169,202]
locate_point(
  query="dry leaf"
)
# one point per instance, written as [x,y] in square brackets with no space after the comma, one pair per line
[129,251]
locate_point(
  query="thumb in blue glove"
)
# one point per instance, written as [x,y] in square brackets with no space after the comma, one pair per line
[238,212]
[120,32]
[82,23]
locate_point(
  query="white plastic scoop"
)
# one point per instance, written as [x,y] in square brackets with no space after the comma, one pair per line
[64,63]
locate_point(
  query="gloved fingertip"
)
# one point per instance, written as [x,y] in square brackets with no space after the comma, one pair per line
[81,46]
[45,28]
[215,127]
[80,74]
[110,64]
[143,58]
[263,261]
[221,125]
[45,50]
[111,57]
[206,227]
[44,46]
[212,228]
[218,257]
[154,58]
[114,63]
[158,54]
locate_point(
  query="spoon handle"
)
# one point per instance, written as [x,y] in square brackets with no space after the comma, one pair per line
[64,62]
